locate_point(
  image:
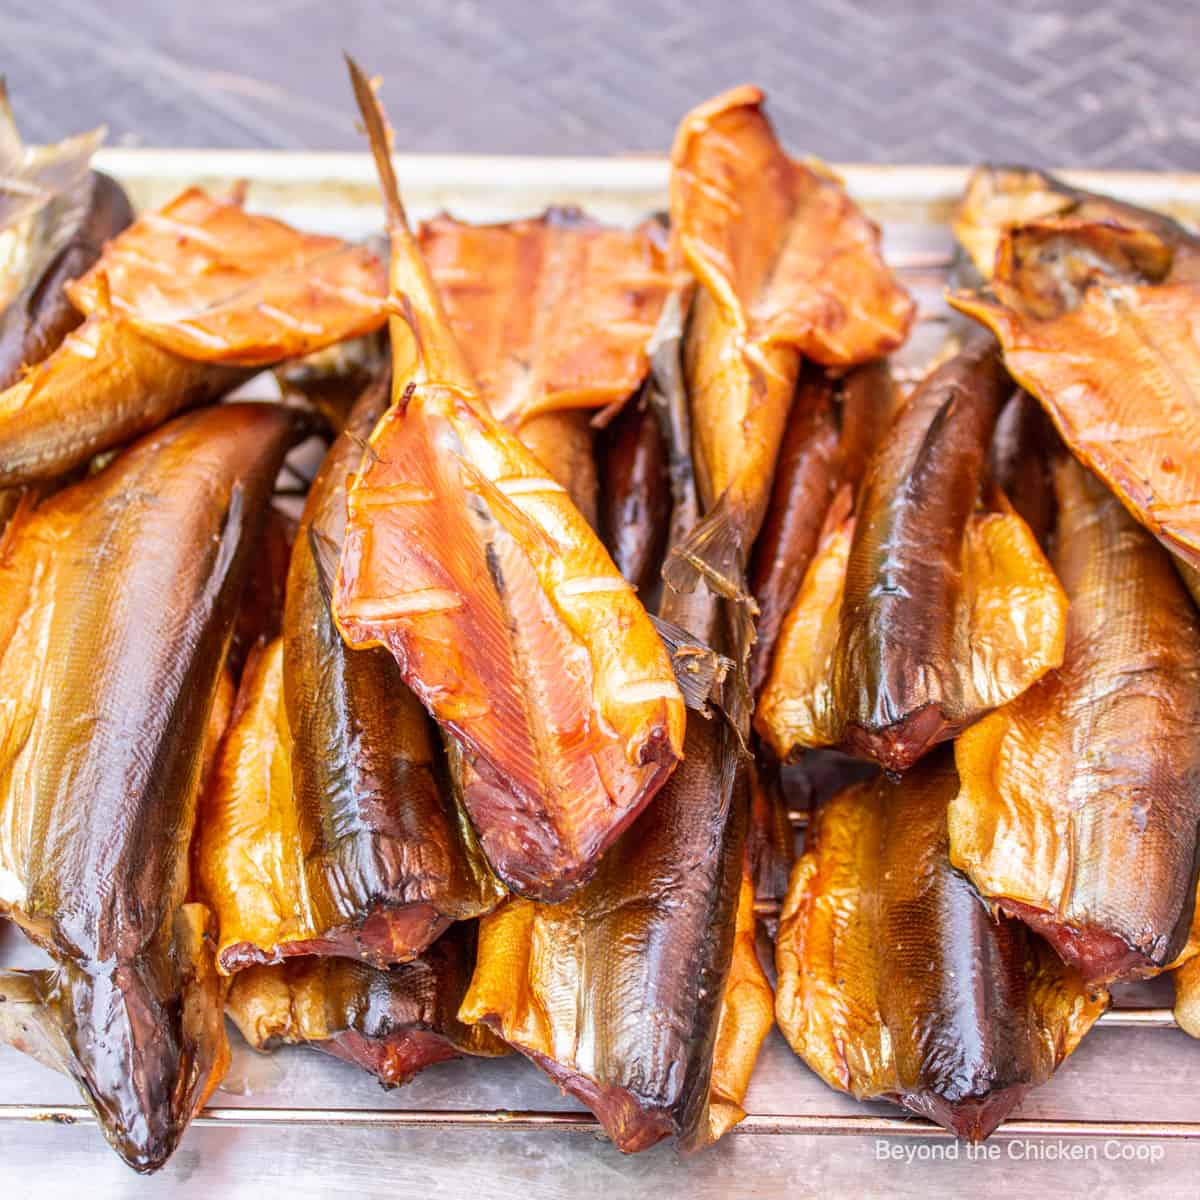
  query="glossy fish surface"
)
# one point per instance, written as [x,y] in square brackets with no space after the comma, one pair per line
[787,268]
[392,1023]
[331,829]
[895,981]
[70,232]
[1079,810]
[118,597]
[944,612]
[635,498]
[506,615]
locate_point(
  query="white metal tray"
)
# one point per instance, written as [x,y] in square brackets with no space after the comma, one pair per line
[1123,1111]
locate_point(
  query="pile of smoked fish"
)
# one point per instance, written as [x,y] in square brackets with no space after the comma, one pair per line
[483,738]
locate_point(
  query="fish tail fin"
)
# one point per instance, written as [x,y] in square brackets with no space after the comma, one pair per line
[714,551]
[379,134]
[144,1041]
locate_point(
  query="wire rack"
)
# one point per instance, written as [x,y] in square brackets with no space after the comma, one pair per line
[336,192]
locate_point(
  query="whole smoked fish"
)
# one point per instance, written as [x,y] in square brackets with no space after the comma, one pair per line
[787,268]
[117,601]
[895,982]
[330,828]
[1079,810]
[922,613]
[503,610]
[391,1023]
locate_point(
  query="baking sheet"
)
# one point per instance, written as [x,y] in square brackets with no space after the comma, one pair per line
[455,1136]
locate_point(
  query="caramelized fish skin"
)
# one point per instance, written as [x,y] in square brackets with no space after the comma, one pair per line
[562,442]
[380,835]
[391,1023]
[37,319]
[635,509]
[1080,803]
[103,386]
[1019,462]
[149,555]
[896,982]
[787,266]
[506,615]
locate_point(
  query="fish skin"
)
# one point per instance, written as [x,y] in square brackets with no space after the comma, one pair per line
[635,507]
[1019,463]
[502,608]
[153,549]
[1079,810]
[562,442]
[392,1023]
[894,980]
[943,611]
[71,231]
[331,829]
[787,267]
[832,431]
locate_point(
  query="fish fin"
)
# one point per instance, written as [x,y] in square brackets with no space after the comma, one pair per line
[379,135]
[712,551]
[325,554]
[26,1022]
[699,670]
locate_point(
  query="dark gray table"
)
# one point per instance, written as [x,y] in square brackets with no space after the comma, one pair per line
[1100,83]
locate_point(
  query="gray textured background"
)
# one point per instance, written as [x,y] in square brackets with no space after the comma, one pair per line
[1103,83]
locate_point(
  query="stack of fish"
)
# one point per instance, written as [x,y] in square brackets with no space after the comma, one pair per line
[421,775]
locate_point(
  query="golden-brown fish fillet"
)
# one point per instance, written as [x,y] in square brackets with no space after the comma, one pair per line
[1080,802]
[505,613]
[894,980]
[788,267]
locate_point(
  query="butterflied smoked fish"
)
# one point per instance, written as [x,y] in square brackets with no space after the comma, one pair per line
[392,1023]
[1080,803]
[503,610]
[1095,307]
[895,982]
[997,198]
[788,267]
[117,602]
[920,613]
[330,828]
[177,308]
[617,992]
[826,443]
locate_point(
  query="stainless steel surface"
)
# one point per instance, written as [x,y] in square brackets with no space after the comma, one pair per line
[1124,1110]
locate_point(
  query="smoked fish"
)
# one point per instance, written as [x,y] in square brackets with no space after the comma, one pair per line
[118,597]
[1079,809]
[1095,307]
[505,614]
[178,308]
[895,982]
[392,1023]
[617,993]
[920,613]
[69,233]
[787,268]
[331,828]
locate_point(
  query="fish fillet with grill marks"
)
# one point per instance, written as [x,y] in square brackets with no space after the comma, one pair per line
[506,615]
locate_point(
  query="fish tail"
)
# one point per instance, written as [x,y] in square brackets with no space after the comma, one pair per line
[715,552]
